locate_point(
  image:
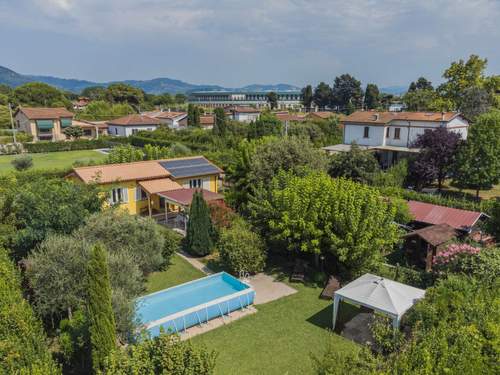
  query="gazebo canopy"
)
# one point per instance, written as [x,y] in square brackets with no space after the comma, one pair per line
[383,295]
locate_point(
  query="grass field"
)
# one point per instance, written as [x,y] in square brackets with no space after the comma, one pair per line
[280,338]
[53,160]
[179,271]
[484,194]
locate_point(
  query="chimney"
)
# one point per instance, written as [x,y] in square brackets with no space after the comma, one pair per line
[442,116]
[376,117]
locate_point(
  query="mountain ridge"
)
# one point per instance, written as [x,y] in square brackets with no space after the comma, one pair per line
[152,86]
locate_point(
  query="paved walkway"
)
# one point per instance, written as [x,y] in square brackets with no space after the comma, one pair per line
[195,262]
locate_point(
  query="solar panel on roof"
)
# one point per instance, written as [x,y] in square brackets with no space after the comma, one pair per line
[183,162]
[189,167]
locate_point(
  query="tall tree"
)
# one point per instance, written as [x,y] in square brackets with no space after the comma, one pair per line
[475,101]
[272,99]
[421,84]
[23,346]
[436,157]
[307,214]
[307,97]
[478,160]
[346,92]
[220,122]
[193,115]
[372,96]
[123,93]
[100,313]
[39,94]
[462,75]
[94,92]
[322,95]
[199,234]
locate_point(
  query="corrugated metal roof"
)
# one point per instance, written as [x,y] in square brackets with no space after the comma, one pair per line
[433,214]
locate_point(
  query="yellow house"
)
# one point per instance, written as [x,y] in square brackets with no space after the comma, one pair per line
[159,188]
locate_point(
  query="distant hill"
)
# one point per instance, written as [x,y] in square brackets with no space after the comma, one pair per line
[394,90]
[152,86]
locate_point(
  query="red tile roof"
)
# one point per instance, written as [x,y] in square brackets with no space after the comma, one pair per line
[433,214]
[45,113]
[382,118]
[171,115]
[185,196]
[207,120]
[283,116]
[134,119]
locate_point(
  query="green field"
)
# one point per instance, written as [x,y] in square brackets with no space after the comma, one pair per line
[53,160]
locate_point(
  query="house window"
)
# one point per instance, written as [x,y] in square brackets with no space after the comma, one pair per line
[118,195]
[195,183]
[366,132]
[116,131]
[140,195]
[397,133]
[134,131]
[388,133]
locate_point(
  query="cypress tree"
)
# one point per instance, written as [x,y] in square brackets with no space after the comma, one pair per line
[220,122]
[199,236]
[100,312]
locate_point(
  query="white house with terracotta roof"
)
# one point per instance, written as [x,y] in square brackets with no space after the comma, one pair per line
[243,113]
[393,133]
[44,124]
[173,119]
[131,124]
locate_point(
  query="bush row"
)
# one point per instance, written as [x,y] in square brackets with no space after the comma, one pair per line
[80,144]
[140,141]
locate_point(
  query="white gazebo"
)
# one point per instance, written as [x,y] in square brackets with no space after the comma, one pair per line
[383,295]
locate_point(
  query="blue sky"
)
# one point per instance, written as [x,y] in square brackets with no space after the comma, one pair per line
[233,42]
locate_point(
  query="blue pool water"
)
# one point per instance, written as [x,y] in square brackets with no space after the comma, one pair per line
[201,300]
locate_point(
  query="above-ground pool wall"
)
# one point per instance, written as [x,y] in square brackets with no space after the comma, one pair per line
[204,313]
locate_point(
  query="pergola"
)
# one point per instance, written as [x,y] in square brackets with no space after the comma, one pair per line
[385,296]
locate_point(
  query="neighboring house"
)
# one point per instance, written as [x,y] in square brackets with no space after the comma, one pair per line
[290,117]
[207,121]
[286,99]
[435,227]
[391,135]
[323,115]
[243,113]
[44,124]
[174,120]
[92,129]
[397,107]
[131,124]
[159,188]
[81,103]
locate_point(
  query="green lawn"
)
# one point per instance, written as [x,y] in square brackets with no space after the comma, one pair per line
[278,339]
[179,271]
[53,160]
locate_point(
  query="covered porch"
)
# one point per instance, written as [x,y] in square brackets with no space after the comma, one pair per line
[168,202]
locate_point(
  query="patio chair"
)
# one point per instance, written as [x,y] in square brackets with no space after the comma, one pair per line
[299,271]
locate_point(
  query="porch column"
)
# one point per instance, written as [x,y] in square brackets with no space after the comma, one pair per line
[166,211]
[149,205]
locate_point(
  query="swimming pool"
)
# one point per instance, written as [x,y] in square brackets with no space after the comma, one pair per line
[195,302]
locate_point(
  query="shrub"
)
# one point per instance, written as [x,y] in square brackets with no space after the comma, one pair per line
[165,354]
[172,243]
[241,249]
[21,163]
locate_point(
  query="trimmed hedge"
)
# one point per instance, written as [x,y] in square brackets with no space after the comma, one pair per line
[80,144]
[140,141]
